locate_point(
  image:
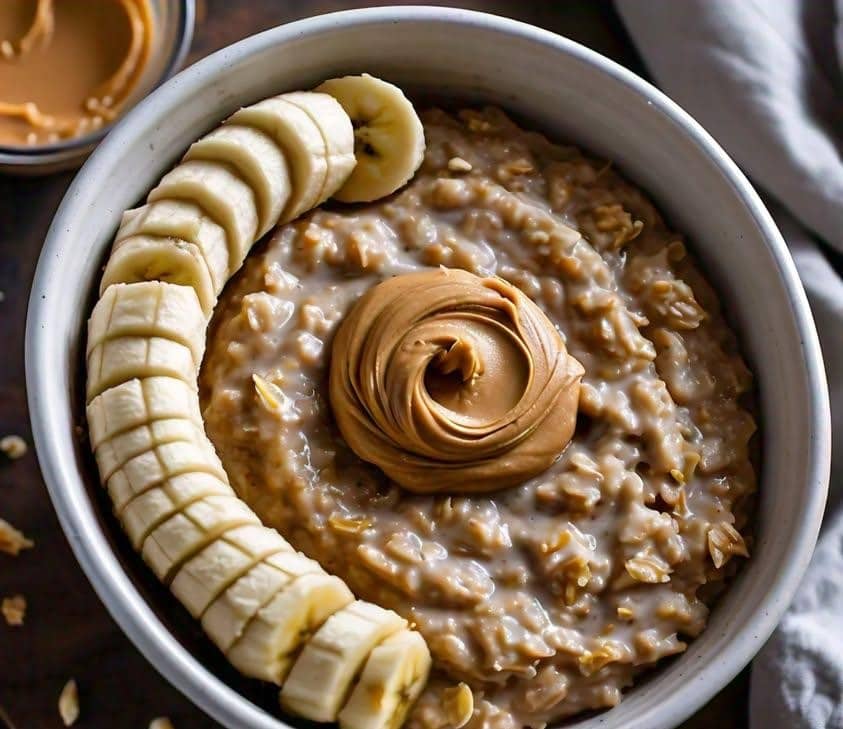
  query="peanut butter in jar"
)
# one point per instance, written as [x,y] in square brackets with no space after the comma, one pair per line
[67,67]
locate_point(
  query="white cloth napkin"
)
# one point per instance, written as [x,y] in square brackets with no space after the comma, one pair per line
[765,78]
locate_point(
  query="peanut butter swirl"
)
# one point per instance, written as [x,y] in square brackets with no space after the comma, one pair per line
[452,382]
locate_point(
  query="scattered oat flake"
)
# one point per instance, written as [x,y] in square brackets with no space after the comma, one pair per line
[162,722]
[13,446]
[13,609]
[12,541]
[5,720]
[69,703]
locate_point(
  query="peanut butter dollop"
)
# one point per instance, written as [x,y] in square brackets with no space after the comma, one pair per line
[451,382]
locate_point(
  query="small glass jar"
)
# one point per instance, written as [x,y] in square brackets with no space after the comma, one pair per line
[173,21]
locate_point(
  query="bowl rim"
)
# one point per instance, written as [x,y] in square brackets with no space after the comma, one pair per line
[76,147]
[76,513]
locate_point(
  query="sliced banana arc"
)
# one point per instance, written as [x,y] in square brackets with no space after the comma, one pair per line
[388,135]
[275,613]
[337,135]
[140,402]
[227,617]
[257,159]
[273,637]
[156,258]
[151,309]
[147,511]
[322,675]
[184,221]
[223,196]
[392,679]
[176,540]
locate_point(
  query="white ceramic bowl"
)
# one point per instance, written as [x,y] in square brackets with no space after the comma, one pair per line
[575,95]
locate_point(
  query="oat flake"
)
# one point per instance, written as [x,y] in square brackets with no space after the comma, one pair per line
[13,446]
[12,541]
[69,703]
[13,609]
[162,722]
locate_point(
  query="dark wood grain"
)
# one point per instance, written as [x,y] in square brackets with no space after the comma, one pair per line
[68,632]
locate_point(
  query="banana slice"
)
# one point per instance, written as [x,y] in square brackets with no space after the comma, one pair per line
[156,258]
[223,196]
[115,453]
[149,309]
[259,541]
[177,539]
[156,466]
[204,576]
[139,402]
[337,134]
[301,141]
[225,620]
[321,677]
[270,641]
[389,137]
[201,579]
[187,222]
[395,673]
[257,159]
[153,507]
[116,361]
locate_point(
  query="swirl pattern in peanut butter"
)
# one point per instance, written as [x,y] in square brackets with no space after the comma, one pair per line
[452,382]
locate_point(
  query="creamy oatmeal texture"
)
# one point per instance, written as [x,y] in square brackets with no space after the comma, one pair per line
[547,597]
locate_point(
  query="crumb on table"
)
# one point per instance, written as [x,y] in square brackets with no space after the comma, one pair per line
[69,703]
[13,446]
[12,540]
[13,609]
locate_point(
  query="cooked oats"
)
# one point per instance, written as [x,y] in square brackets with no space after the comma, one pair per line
[514,590]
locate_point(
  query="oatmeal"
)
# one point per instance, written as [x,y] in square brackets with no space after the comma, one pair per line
[547,597]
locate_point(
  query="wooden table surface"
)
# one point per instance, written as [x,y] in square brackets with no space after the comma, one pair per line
[68,633]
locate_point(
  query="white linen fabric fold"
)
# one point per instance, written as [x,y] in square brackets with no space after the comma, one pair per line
[765,78]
